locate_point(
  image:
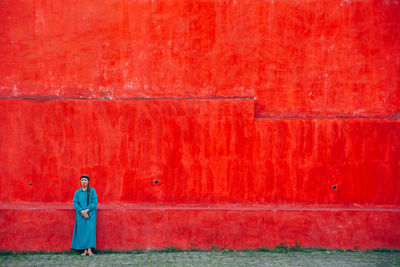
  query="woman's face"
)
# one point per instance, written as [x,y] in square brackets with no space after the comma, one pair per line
[84,182]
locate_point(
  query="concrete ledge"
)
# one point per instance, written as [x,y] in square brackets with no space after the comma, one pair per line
[39,227]
[205,207]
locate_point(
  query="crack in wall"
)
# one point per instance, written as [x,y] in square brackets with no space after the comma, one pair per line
[396,115]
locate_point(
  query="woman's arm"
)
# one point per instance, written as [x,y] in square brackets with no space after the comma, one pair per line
[93,202]
[77,207]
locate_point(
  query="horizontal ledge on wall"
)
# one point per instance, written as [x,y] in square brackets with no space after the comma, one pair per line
[40,206]
[327,117]
[49,98]
[241,99]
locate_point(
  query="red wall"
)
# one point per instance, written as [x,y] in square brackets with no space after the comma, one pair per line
[297,58]
[199,151]
[34,228]
[251,106]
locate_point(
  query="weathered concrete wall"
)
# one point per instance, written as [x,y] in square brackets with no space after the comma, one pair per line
[131,227]
[240,124]
[199,151]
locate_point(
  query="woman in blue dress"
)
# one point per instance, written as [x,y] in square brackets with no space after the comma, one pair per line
[85,205]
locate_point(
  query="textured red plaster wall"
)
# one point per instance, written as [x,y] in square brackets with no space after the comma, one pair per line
[158,227]
[297,58]
[199,151]
[256,103]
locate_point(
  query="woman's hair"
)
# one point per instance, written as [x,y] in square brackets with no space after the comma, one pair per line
[88,195]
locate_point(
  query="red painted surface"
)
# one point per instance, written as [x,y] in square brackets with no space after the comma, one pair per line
[261,105]
[298,58]
[157,227]
[205,152]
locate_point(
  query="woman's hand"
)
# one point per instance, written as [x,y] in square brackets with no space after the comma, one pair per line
[84,211]
[85,214]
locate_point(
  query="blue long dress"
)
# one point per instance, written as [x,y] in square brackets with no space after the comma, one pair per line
[85,230]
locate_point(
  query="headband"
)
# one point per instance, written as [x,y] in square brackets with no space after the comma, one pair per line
[85,176]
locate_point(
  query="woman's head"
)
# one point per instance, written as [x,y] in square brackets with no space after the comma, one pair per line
[84,180]
[85,184]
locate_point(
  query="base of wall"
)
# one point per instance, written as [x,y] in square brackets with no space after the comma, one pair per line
[130,227]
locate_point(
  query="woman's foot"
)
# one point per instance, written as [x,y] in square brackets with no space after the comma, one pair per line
[90,253]
[85,253]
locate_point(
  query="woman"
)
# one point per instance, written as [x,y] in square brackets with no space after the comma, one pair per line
[85,203]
